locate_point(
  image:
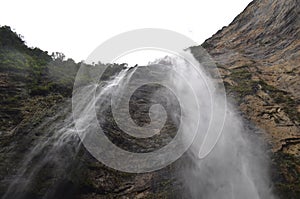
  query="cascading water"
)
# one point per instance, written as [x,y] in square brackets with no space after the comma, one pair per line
[237,166]
[54,152]
[234,167]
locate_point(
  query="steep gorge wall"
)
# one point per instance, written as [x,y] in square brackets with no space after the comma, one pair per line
[258,56]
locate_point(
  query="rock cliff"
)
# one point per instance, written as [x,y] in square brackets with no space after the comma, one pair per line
[258,56]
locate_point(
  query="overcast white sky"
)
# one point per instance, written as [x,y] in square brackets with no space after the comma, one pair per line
[76,28]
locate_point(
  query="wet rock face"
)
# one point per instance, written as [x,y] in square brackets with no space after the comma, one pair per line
[258,56]
[140,103]
[40,156]
[57,166]
[39,159]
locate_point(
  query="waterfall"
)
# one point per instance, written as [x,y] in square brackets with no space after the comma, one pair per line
[237,166]
[225,161]
[55,152]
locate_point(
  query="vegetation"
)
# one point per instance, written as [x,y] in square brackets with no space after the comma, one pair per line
[244,84]
[30,72]
[283,98]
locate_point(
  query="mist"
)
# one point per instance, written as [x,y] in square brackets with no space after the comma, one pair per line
[228,157]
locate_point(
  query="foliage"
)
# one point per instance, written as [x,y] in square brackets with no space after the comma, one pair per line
[244,84]
[283,98]
[41,73]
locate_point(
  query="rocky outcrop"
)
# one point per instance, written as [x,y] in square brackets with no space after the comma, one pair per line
[258,56]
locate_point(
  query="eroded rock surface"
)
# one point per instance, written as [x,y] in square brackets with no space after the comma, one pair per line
[258,56]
